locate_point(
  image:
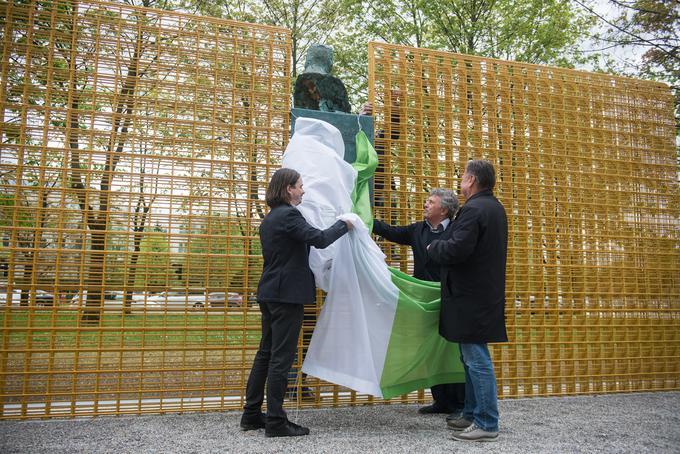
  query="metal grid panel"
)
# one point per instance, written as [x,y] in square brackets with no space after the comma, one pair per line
[136,149]
[587,171]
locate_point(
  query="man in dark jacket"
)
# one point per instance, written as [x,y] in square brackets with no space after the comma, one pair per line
[473,296]
[440,207]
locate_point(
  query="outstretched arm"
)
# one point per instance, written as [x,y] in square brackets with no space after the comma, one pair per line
[298,229]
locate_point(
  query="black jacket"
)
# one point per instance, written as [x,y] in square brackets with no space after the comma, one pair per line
[415,235]
[286,237]
[473,272]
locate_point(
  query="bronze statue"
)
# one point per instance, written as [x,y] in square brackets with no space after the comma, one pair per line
[315,88]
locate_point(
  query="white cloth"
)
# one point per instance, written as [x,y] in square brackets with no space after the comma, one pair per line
[316,151]
[352,333]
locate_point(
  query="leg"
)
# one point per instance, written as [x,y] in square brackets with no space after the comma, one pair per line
[449,396]
[258,373]
[286,321]
[470,401]
[481,400]
[296,379]
[456,394]
[440,401]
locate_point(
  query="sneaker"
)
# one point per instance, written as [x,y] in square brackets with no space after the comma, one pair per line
[253,422]
[288,429]
[474,433]
[458,423]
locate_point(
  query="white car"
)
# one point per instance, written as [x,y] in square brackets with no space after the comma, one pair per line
[42,298]
[112,299]
[196,299]
[16,297]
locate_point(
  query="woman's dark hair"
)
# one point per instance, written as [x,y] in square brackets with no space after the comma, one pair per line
[277,191]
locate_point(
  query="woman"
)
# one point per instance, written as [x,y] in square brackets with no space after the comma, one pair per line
[286,285]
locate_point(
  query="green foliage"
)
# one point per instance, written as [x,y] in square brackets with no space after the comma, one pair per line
[215,254]
[153,264]
[649,27]
[533,31]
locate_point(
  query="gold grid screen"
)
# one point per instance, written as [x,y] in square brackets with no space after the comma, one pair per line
[136,146]
[136,149]
[587,171]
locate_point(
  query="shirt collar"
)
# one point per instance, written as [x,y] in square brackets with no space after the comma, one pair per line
[444,224]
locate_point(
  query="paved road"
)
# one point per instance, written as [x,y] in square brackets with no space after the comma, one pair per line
[623,423]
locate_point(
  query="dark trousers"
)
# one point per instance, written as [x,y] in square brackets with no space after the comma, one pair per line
[449,397]
[308,324]
[281,325]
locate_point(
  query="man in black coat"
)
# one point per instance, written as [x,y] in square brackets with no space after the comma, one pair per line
[473,296]
[440,208]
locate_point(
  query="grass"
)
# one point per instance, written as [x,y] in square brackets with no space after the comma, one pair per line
[193,353]
[62,329]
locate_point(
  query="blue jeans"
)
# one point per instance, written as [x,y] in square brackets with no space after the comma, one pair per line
[481,398]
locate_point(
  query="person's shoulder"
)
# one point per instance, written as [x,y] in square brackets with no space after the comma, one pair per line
[471,208]
[283,211]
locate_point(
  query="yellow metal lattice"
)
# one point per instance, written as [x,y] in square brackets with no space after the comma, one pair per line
[136,148]
[587,171]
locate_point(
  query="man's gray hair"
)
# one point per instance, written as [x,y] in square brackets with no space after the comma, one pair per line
[483,172]
[447,199]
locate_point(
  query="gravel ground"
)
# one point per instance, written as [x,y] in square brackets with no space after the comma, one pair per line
[641,422]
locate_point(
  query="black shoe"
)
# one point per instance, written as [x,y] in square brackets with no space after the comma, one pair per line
[253,423]
[432,409]
[307,394]
[455,414]
[288,429]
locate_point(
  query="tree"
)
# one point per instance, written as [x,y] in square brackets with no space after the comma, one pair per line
[646,34]
[533,31]
[309,21]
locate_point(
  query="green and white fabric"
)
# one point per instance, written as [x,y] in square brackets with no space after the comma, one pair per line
[378,330]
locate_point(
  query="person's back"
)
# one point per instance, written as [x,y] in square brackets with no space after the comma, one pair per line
[473,297]
[464,280]
[281,252]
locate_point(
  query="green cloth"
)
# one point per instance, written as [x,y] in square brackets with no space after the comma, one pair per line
[417,356]
[365,165]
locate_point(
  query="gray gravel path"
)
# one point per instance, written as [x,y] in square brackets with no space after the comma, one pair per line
[624,423]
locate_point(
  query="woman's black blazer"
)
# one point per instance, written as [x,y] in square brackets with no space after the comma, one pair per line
[286,237]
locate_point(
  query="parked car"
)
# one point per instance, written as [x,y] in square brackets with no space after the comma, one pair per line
[217,299]
[196,299]
[114,299]
[42,298]
[15,298]
[109,296]
[178,299]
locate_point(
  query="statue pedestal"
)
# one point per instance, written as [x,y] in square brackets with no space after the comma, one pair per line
[346,123]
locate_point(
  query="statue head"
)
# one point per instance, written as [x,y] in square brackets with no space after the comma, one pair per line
[319,59]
